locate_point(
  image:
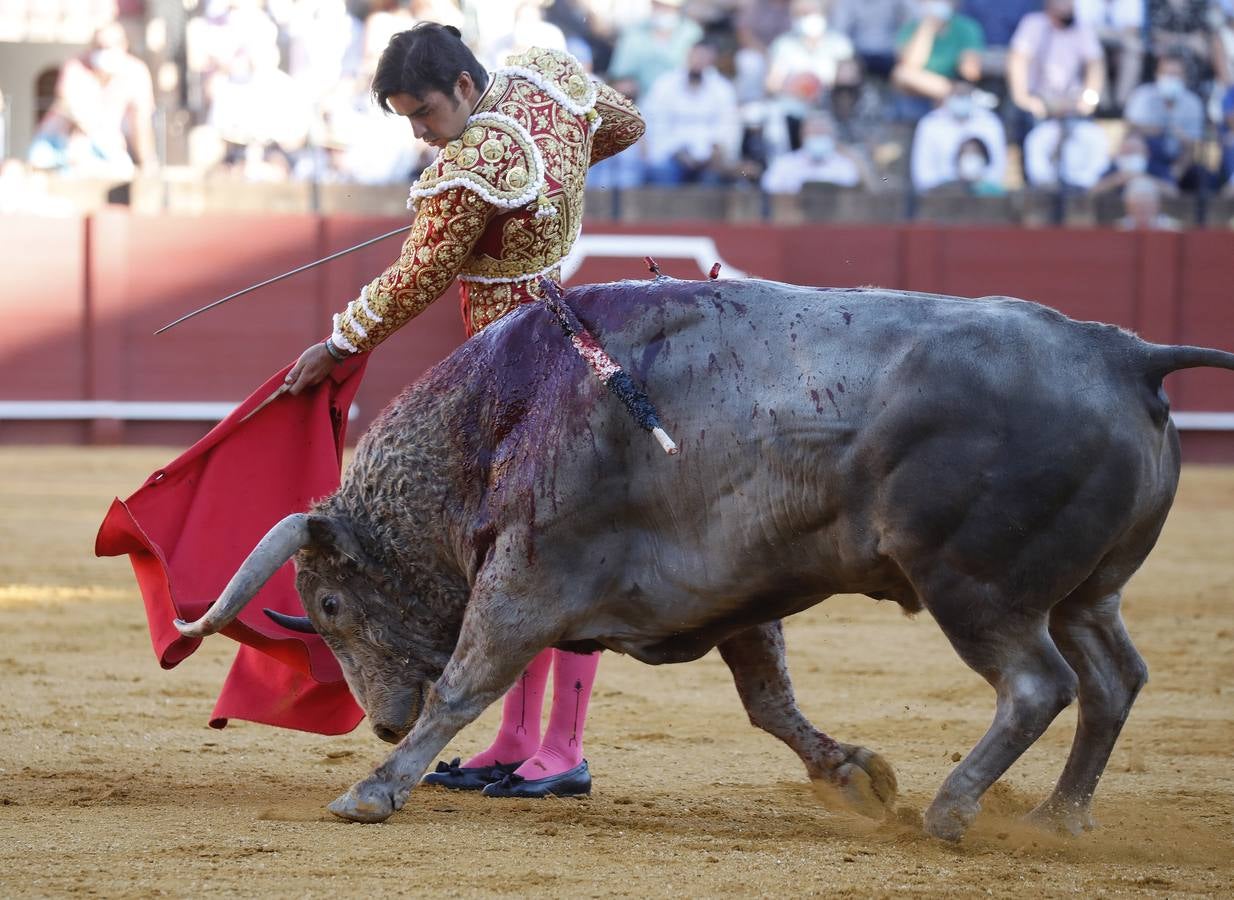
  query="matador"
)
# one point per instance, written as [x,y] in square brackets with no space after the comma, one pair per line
[498,209]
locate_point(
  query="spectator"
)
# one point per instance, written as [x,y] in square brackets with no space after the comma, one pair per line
[1070,153]
[1171,118]
[1227,141]
[101,121]
[587,33]
[974,172]
[627,169]
[324,44]
[693,129]
[805,63]
[261,112]
[1119,25]
[941,134]
[1186,29]
[936,50]
[1142,202]
[654,46]
[822,159]
[385,19]
[872,26]
[528,29]
[999,18]
[1055,65]
[1131,161]
[759,24]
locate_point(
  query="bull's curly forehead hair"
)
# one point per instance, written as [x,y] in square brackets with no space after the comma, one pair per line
[428,57]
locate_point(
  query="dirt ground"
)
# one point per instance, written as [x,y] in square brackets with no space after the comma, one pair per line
[112,784]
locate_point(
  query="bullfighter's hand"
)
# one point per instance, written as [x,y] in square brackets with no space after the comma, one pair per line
[314,364]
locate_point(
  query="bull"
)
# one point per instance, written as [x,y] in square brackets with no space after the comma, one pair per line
[993,462]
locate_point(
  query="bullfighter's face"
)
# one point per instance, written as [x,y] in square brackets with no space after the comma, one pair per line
[375,647]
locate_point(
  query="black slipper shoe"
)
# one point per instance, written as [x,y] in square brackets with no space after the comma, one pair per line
[459,778]
[574,783]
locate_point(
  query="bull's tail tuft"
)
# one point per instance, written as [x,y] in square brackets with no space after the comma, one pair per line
[1162,359]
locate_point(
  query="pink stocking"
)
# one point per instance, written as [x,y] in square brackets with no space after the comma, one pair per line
[562,747]
[519,734]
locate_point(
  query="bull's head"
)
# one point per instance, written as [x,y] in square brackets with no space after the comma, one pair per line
[371,624]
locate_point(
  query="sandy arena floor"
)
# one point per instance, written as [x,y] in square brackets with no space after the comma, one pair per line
[112,784]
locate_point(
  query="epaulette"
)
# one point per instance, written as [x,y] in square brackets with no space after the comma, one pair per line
[558,74]
[495,157]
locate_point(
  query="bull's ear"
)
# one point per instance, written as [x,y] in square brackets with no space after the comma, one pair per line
[333,535]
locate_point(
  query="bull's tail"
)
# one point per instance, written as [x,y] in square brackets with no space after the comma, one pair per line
[1162,359]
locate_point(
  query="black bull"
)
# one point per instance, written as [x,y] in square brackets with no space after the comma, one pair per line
[993,462]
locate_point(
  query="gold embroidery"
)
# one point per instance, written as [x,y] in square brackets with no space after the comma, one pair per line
[478,201]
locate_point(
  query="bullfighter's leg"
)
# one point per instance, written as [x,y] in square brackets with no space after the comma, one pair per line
[494,647]
[518,735]
[860,779]
[557,767]
[1033,684]
[562,747]
[1096,645]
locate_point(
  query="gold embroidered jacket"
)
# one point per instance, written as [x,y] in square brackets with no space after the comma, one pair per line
[502,204]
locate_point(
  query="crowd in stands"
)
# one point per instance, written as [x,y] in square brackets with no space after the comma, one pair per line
[978,97]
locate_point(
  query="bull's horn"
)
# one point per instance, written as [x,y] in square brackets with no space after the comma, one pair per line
[278,546]
[292,623]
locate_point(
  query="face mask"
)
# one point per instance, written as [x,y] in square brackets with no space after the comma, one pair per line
[937,9]
[970,166]
[819,146]
[695,77]
[812,26]
[664,20]
[1170,86]
[107,60]
[1066,20]
[960,105]
[1132,162]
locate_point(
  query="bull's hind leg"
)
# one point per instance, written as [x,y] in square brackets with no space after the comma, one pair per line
[859,778]
[1096,645]
[1033,684]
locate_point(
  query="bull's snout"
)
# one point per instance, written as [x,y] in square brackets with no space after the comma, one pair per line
[387,734]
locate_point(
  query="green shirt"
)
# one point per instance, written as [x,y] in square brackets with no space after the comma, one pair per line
[959,34]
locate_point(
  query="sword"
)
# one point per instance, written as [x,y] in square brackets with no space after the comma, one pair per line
[304,268]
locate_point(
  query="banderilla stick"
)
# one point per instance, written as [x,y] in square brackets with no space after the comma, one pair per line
[611,375]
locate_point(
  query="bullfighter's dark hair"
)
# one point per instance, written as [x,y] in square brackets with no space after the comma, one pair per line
[428,57]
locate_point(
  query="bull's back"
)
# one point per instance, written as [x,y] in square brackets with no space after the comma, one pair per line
[831,441]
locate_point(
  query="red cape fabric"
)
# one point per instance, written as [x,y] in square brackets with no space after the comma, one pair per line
[193,522]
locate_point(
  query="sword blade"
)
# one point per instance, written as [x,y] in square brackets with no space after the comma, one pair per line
[324,259]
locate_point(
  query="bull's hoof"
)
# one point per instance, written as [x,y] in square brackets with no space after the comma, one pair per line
[366,801]
[948,821]
[1062,817]
[863,783]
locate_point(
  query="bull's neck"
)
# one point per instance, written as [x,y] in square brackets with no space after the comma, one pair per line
[412,487]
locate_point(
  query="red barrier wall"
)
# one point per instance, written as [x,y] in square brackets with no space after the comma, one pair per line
[82,297]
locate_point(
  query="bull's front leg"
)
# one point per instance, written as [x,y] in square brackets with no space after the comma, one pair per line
[491,653]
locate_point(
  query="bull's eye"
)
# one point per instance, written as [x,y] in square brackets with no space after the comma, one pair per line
[329,605]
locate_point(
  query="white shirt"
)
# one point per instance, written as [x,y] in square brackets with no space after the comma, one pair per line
[1085,156]
[789,171]
[695,118]
[937,141]
[1102,14]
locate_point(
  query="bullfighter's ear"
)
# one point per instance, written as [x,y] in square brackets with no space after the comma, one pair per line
[331,534]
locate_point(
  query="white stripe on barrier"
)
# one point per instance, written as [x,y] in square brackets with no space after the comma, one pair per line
[1203,421]
[124,410]
[701,249]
